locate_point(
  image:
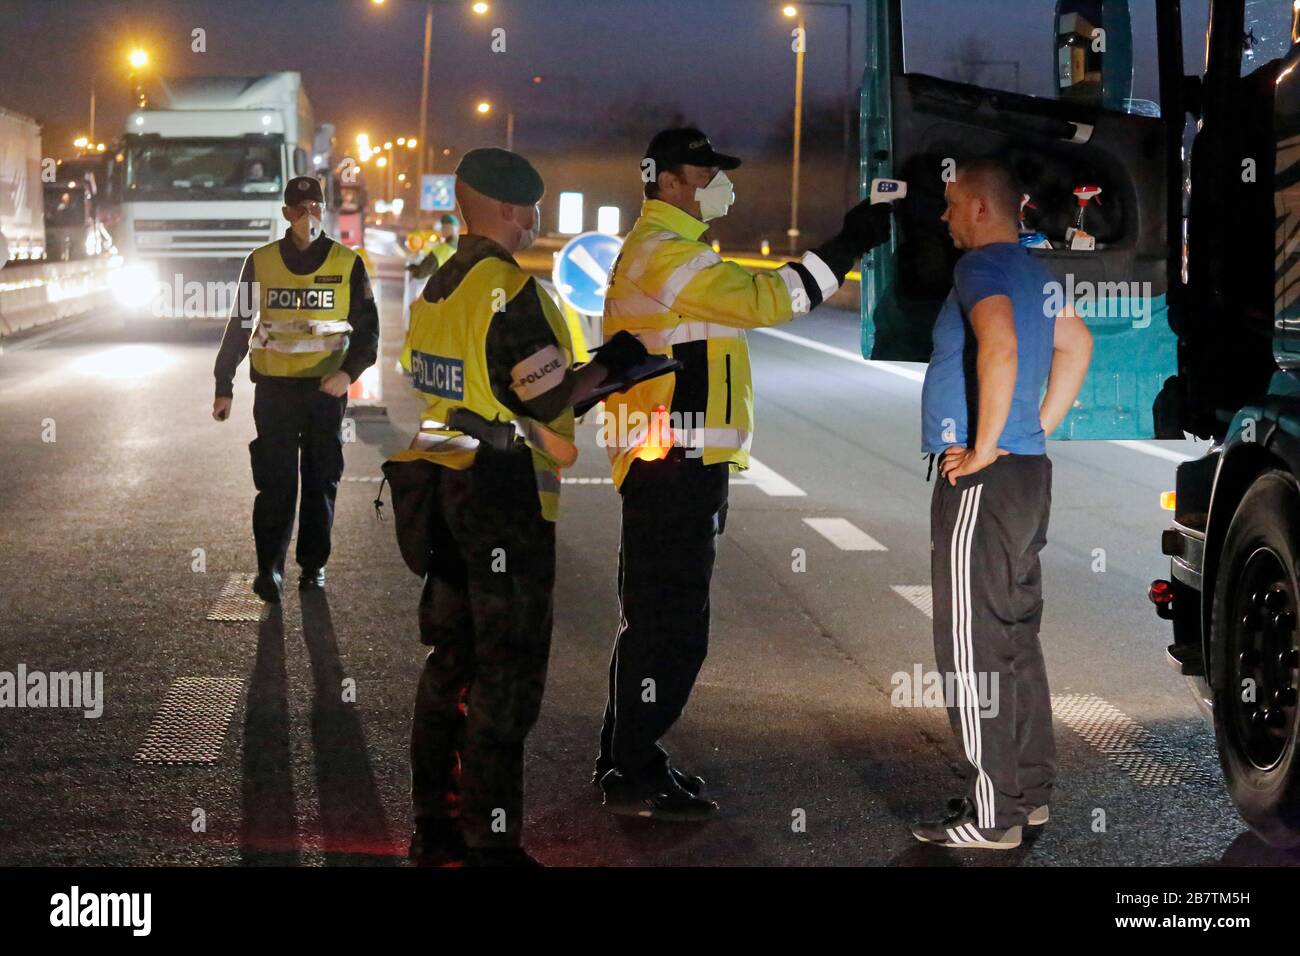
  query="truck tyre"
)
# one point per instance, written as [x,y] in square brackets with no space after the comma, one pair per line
[1256,658]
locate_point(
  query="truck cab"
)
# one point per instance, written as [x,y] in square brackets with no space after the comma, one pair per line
[1187,114]
[202,172]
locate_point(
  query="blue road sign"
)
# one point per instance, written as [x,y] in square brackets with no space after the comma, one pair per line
[582,270]
[438,192]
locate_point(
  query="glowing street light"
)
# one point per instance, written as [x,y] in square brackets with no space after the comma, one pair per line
[81,142]
[381,162]
[480,8]
[410,142]
[484,107]
[138,59]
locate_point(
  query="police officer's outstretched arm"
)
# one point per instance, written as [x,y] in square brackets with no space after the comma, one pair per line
[707,287]
[234,343]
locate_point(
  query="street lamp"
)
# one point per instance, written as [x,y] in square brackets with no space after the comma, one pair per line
[479,9]
[484,108]
[791,10]
[138,59]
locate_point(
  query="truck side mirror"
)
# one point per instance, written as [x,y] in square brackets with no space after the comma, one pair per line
[1094,53]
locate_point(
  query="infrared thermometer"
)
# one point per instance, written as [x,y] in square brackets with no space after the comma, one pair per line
[887,190]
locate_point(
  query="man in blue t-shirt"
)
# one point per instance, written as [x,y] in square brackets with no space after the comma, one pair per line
[1002,376]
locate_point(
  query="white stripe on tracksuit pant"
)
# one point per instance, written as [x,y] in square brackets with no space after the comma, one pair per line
[985,536]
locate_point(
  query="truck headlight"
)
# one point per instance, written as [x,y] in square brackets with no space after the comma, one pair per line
[134,284]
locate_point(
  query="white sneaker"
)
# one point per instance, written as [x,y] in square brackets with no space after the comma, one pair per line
[1038,816]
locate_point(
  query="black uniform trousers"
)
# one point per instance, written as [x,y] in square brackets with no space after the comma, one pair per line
[673,511]
[985,537]
[298,426]
[487,610]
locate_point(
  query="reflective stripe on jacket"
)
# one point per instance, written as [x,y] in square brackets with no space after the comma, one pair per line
[680,297]
[302,326]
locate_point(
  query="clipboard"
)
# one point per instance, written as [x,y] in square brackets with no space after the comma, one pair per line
[652,367]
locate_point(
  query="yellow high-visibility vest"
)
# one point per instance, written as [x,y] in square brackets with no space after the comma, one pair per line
[446,357]
[670,289]
[302,325]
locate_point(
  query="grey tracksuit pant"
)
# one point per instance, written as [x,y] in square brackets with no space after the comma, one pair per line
[985,536]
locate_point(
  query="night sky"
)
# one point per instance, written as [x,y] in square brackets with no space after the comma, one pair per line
[726,63]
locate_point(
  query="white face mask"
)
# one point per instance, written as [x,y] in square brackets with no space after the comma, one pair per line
[308,227]
[528,236]
[716,198]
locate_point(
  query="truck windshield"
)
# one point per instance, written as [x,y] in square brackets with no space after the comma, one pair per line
[199,169]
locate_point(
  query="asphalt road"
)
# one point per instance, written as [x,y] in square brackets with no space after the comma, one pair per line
[125,511]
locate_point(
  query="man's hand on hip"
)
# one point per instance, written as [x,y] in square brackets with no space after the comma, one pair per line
[336,383]
[221,408]
[958,461]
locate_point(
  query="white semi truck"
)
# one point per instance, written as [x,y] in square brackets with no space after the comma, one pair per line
[201,172]
[22,207]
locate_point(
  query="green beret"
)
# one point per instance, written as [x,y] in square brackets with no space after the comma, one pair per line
[501,175]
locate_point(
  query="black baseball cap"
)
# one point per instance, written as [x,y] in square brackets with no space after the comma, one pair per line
[686,145]
[302,189]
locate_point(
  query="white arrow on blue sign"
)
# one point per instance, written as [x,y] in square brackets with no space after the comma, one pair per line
[582,269]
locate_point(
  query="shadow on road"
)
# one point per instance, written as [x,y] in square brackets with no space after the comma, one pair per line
[354,831]
[268,834]
[1250,850]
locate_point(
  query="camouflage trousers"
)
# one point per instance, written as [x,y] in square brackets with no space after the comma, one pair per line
[487,611]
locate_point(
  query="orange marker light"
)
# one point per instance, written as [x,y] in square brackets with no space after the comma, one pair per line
[659,438]
[1167,500]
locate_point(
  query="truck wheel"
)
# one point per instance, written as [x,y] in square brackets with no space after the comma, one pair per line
[1256,658]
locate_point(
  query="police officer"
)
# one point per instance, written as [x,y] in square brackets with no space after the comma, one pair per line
[673,440]
[448,236]
[315,329]
[489,353]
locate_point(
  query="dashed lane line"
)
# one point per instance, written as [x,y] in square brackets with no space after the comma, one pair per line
[917,595]
[844,534]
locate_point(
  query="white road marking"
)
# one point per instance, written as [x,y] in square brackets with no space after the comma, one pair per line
[190,726]
[918,595]
[237,602]
[844,534]
[1124,742]
[893,368]
[1153,449]
[770,483]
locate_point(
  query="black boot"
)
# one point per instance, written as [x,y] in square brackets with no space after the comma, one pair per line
[661,800]
[267,586]
[312,580]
